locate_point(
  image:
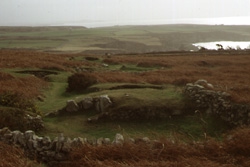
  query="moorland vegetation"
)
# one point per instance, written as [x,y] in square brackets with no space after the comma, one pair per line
[25,90]
[43,67]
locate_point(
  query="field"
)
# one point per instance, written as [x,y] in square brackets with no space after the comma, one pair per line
[36,63]
[119,39]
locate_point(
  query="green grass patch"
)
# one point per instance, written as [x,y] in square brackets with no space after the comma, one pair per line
[135,68]
[55,95]
[188,127]
[135,98]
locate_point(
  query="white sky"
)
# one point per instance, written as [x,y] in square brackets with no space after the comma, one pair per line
[120,12]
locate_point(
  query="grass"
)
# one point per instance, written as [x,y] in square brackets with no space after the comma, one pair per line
[54,98]
[30,44]
[189,126]
[170,96]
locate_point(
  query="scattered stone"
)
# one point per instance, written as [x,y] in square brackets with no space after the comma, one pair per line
[86,103]
[146,139]
[142,140]
[35,123]
[119,140]
[106,141]
[71,106]
[52,114]
[40,98]
[100,141]
[157,144]
[131,140]
[105,65]
[102,103]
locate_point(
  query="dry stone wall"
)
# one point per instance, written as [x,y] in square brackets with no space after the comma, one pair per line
[218,103]
[34,122]
[100,104]
[57,150]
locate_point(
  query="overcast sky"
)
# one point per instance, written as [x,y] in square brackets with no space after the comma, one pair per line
[119,12]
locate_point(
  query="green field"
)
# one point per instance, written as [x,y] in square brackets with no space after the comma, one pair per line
[119,39]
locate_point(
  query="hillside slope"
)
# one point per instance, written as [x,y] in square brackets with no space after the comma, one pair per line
[119,39]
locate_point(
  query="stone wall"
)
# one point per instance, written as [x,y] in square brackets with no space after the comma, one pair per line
[102,106]
[57,150]
[218,103]
[34,122]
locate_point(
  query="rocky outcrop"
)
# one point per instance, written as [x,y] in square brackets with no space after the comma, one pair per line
[218,103]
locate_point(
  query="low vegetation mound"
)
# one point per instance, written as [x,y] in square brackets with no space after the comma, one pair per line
[14,109]
[17,99]
[33,59]
[79,82]
[28,87]
[12,156]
